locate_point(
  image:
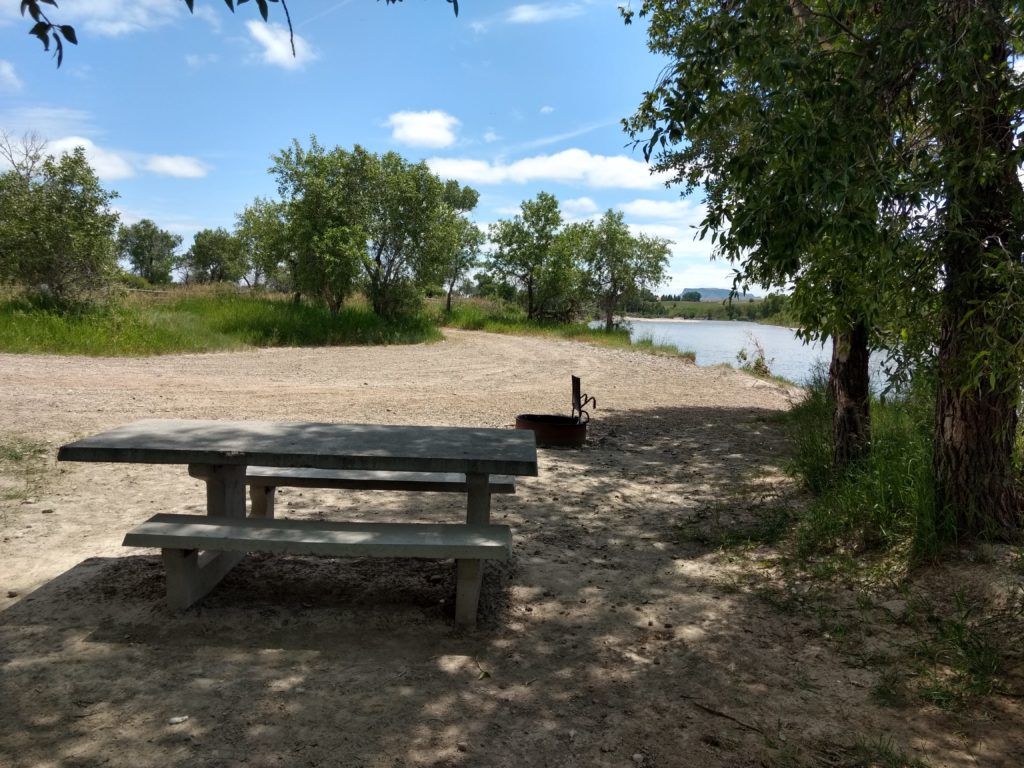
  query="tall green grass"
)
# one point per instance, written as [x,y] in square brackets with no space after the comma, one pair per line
[195,322]
[497,317]
[884,501]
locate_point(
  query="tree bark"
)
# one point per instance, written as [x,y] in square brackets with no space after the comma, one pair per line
[979,377]
[849,383]
[975,431]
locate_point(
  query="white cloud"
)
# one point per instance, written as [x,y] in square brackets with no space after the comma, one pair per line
[107,164]
[179,166]
[490,137]
[539,14]
[663,209]
[569,166]
[578,207]
[277,47]
[547,109]
[434,129]
[9,80]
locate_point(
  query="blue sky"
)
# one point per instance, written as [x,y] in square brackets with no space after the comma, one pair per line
[180,114]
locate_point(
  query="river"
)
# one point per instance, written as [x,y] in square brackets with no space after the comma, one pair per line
[719,341]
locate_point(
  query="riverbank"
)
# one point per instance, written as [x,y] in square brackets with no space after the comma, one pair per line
[616,637]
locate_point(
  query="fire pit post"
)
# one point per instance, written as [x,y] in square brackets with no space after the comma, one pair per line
[553,431]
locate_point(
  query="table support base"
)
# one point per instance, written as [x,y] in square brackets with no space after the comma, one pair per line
[191,574]
[468,579]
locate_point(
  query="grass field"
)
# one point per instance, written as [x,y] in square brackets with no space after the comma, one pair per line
[210,319]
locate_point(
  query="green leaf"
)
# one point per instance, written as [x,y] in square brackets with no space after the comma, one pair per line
[264,10]
[69,33]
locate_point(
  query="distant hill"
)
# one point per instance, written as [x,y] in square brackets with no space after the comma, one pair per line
[718,294]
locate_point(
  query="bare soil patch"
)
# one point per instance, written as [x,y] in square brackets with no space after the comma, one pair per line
[612,639]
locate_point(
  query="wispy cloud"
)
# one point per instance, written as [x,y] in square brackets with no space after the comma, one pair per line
[557,138]
[547,109]
[532,13]
[200,60]
[48,122]
[114,18]
[540,13]
[178,166]
[434,129]
[277,48]
[571,166]
[490,136]
[9,80]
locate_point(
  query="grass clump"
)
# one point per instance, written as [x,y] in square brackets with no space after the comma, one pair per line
[884,501]
[879,753]
[186,321]
[22,467]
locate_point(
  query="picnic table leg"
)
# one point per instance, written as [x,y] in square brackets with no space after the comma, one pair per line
[192,574]
[225,488]
[469,574]
[468,578]
[478,502]
[261,498]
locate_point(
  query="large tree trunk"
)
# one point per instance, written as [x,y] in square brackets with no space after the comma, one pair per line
[979,375]
[849,382]
[975,430]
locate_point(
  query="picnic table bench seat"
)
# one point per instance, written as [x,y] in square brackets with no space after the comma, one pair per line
[263,482]
[191,574]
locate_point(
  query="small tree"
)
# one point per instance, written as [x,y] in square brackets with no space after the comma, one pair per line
[460,241]
[57,229]
[324,210]
[407,203]
[620,265]
[262,234]
[149,250]
[690,296]
[215,257]
[522,245]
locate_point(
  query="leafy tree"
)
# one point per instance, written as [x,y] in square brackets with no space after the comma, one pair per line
[865,151]
[406,203]
[262,233]
[522,246]
[325,213]
[562,292]
[357,219]
[149,250]
[57,229]
[620,265]
[487,285]
[459,241]
[216,256]
[690,296]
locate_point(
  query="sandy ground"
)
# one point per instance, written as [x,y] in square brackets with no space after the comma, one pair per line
[610,640]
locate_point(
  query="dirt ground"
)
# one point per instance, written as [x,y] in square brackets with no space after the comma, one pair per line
[610,639]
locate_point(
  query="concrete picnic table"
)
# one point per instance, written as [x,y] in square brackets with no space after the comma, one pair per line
[218,452]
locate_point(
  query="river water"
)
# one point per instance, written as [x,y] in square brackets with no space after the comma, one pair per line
[719,341]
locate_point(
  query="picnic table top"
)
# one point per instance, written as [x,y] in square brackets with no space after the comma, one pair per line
[305,444]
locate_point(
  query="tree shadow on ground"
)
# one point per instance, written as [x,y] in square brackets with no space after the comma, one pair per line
[610,641]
